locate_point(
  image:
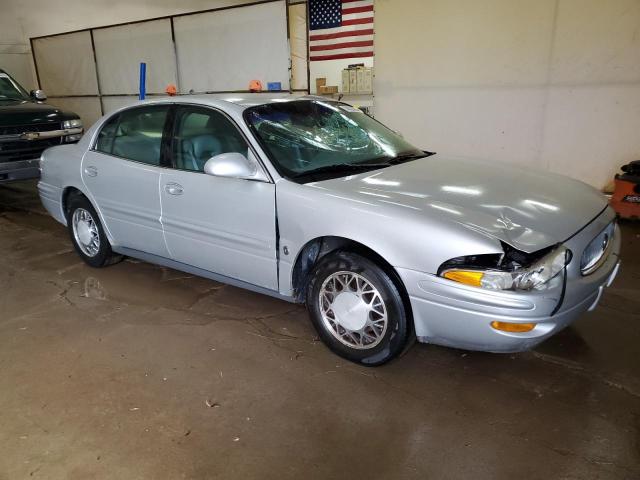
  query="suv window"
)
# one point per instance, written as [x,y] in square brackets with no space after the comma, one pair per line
[10,89]
[135,134]
[201,133]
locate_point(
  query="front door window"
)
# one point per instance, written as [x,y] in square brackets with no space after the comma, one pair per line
[202,133]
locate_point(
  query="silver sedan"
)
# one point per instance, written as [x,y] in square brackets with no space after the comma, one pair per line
[312,201]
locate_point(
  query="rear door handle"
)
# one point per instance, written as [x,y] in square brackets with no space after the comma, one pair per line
[91,171]
[173,189]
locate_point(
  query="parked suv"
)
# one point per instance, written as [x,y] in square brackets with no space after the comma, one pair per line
[27,127]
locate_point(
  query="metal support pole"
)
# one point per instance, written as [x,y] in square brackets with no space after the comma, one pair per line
[143,80]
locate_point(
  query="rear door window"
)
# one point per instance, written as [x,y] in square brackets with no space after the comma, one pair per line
[135,134]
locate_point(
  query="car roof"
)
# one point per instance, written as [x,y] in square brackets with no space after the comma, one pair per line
[235,101]
[252,99]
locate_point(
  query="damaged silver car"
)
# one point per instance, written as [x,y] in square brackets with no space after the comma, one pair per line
[310,200]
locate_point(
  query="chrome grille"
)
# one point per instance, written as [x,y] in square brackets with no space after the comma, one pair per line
[597,251]
[32,127]
[15,149]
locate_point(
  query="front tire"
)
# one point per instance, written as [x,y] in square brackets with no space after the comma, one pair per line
[357,309]
[87,234]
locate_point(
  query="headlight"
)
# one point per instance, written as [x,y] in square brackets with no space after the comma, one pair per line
[535,276]
[75,123]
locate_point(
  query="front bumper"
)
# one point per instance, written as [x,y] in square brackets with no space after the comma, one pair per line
[456,315]
[20,170]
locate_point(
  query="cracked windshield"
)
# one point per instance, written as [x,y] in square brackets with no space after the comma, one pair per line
[310,138]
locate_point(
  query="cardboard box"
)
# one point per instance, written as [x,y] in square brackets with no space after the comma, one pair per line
[345,80]
[320,82]
[328,89]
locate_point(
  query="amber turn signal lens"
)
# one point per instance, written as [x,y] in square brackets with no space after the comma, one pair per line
[513,327]
[468,277]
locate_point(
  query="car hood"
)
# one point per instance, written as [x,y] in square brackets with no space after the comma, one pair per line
[525,208]
[22,112]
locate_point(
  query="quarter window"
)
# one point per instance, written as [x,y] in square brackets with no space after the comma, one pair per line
[135,134]
[105,137]
[202,133]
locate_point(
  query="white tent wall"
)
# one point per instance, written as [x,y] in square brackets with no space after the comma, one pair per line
[15,58]
[119,51]
[64,74]
[15,55]
[200,51]
[36,18]
[224,50]
[298,43]
[24,19]
[553,84]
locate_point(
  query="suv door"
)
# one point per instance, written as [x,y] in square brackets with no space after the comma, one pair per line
[122,174]
[220,224]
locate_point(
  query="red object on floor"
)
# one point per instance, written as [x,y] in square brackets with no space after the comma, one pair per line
[626,196]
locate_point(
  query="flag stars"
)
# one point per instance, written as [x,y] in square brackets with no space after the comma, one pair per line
[325,14]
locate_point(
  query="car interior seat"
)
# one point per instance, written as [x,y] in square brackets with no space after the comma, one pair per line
[195,151]
[131,142]
[216,137]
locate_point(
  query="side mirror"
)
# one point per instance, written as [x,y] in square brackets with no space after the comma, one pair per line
[233,165]
[38,95]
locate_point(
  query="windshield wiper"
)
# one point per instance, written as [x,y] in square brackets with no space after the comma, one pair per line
[363,167]
[342,167]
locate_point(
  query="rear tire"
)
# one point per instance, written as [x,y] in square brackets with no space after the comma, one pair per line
[87,234]
[357,309]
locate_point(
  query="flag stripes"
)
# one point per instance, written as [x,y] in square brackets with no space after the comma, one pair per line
[340,29]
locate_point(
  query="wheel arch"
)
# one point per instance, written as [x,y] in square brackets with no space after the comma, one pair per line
[68,192]
[317,248]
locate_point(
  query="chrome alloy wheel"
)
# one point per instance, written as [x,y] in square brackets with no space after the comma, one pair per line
[85,232]
[353,310]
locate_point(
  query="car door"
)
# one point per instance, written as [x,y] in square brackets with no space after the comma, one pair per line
[122,174]
[220,224]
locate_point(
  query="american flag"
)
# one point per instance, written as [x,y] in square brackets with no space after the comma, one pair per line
[340,29]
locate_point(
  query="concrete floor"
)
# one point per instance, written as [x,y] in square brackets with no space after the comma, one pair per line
[136,371]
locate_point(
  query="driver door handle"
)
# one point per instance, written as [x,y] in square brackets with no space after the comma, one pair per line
[173,189]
